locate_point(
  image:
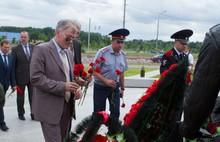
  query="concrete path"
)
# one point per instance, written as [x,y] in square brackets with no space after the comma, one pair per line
[30,131]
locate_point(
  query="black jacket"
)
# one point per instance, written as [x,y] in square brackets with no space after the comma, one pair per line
[202,93]
[167,61]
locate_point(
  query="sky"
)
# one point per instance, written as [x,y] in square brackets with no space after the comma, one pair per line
[104,16]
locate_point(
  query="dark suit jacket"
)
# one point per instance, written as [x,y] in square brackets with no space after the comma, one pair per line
[170,60]
[21,64]
[76,48]
[7,77]
[48,79]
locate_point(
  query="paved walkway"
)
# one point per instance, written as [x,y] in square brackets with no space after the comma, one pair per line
[30,131]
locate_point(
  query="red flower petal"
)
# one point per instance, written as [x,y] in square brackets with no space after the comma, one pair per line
[91,64]
[118,72]
[19,90]
[97,69]
[90,71]
[97,61]
[169,53]
[84,74]
[76,72]
[123,105]
[104,115]
[102,59]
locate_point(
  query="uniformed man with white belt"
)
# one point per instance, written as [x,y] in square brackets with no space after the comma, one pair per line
[108,84]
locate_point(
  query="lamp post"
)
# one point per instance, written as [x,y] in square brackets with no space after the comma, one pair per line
[158,24]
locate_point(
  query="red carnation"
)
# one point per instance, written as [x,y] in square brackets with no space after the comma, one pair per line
[211,127]
[104,115]
[100,138]
[76,72]
[123,105]
[84,74]
[19,90]
[90,71]
[188,76]
[91,64]
[102,59]
[97,69]
[169,53]
[118,72]
[172,66]
[97,61]
[79,67]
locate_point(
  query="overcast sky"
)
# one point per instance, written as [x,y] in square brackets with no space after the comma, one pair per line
[141,16]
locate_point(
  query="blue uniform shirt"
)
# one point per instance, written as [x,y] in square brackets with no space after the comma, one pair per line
[112,63]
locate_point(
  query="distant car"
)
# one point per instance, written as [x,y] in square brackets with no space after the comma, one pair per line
[157,58]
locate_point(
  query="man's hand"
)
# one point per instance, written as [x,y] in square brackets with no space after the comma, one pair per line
[78,94]
[13,89]
[110,83]
[71,87]
[188,132]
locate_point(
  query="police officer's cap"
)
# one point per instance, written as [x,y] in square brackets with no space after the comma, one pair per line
[119,34]
[182,36]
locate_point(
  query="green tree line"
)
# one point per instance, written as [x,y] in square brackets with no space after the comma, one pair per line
[98,41]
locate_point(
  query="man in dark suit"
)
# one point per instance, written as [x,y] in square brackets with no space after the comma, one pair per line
[21,58]
[54,88]
[76,46]
[7,76]
[176,55]
[181,40]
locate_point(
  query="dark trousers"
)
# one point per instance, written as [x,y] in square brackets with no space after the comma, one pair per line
[101,94]
[2,116]
[21,97]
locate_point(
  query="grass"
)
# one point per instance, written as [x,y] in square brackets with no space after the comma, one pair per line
[131,71]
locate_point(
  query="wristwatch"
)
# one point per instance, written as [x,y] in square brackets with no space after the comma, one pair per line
[122,88]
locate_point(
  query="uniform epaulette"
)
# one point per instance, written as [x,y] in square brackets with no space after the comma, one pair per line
[105,49]
[123,52]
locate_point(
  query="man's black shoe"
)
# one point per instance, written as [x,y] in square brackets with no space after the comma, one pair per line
[21,117]
[4,128]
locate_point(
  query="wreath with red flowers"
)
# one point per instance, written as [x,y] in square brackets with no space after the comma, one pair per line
[90,125]
[153,116]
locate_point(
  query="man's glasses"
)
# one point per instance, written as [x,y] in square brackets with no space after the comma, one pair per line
[68,38]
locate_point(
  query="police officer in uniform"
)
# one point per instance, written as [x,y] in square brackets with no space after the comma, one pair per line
[181,40]
[108,84]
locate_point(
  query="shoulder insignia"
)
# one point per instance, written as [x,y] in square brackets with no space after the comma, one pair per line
[123,52]
[105,49]
[164,62]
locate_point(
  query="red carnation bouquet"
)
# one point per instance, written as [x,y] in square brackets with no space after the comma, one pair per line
[19,91]
[118,73]
[79,72]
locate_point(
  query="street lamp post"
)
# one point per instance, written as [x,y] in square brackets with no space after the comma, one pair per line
[158,24]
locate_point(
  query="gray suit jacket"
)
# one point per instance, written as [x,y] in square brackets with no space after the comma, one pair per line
[48,79]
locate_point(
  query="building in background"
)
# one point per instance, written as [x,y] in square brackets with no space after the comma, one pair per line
[10,35]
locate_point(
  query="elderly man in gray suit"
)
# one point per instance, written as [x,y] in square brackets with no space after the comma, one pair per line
[54,89]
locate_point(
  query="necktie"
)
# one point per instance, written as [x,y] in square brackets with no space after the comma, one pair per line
[27,52]
[66,70]
[181,56]
[5,61]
